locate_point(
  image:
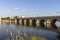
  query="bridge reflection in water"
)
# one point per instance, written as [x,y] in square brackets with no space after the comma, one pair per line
[17,32]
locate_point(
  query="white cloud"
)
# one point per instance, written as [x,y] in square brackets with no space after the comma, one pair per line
[24,9]
[16,8]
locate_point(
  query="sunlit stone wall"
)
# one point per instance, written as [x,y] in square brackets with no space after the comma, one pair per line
[30,22]
[37,22]
[20,21]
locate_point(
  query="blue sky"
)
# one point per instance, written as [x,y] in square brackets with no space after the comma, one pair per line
[29,8]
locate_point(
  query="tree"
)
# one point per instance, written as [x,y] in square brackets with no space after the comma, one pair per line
[15,17]
[7,18]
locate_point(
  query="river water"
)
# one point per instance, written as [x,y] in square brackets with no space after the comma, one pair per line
[10,32]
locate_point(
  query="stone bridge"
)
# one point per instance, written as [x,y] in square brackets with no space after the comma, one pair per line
[47,21]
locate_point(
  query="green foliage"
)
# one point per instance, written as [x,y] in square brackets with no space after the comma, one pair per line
[15,17]
[3,18]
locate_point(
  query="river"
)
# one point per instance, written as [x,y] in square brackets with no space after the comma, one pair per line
[10,32]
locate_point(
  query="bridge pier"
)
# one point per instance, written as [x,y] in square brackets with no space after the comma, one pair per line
[20,21]
[25,20]
[48,23]
[15,21]
[30,22]
[37,22]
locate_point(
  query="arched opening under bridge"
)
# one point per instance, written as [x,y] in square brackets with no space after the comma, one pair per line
[27,22]
[33,22]
[42,22]
[53,23]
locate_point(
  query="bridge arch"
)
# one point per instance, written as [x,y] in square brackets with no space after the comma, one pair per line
[17,21]
[53,23]
[42,22]
[34,22]
[27,22]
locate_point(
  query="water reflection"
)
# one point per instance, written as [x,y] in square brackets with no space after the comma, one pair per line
[16,32]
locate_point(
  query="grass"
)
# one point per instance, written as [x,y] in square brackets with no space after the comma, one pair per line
[37,38]
[58,30]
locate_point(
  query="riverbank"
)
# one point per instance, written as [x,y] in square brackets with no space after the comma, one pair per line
[37,38]
[58,31]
